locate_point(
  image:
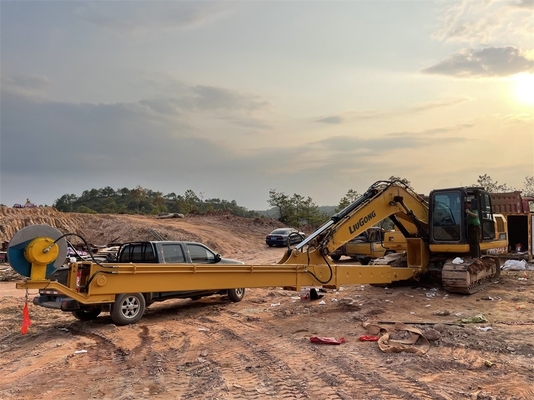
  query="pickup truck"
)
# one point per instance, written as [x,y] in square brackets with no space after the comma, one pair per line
[373,243]
[129,308]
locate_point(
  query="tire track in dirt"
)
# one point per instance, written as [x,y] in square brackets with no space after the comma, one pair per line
[299,373]
[248,369]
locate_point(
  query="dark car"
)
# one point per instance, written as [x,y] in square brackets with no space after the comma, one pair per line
[284,237]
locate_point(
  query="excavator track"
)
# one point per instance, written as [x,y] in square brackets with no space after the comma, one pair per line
[470,276]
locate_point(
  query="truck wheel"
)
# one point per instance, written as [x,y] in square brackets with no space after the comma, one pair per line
[236,294]
[128,308]
[87,315]
[336,258]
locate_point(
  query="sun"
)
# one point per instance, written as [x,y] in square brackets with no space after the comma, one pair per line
[524,88]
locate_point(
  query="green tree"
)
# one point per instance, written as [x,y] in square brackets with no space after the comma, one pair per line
[138,194]
[191,202]
[310,214]
[85,210]
[108,191]
[284,205]
[109,206]
[349,198]
[65,203]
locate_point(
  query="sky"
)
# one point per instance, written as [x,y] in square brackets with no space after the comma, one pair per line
[232,99]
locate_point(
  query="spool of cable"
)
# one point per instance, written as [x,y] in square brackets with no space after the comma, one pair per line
[17,250]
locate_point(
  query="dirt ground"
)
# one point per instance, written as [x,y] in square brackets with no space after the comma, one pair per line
[260,348]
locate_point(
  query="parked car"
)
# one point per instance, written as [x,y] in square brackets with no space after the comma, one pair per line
[284,237]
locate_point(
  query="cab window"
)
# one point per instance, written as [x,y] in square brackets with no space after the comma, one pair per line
[200,254]
[173,253]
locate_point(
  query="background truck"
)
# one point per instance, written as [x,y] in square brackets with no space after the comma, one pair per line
[128,308]
[373,243]
[519,213]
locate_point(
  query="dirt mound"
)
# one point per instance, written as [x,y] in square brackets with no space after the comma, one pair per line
[230,235]
[100,229]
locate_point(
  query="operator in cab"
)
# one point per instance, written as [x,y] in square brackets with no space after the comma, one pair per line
[474,231]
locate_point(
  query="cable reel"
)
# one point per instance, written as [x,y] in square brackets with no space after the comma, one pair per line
[36,251]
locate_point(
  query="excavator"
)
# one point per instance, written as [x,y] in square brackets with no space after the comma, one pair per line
[435,228]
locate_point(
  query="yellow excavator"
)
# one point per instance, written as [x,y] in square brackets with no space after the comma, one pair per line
[435,229]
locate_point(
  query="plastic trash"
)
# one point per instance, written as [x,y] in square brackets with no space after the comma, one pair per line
[458,260]
[514,265]
[326,340]
[80,351]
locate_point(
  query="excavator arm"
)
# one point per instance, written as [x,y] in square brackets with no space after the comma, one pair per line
[383,199]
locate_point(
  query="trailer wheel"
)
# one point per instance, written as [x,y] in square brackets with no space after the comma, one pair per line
[236,294]
[128,308]
[87,315]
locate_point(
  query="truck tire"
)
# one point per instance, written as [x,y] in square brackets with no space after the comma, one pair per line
[236,294]
[128,308]
[88,314]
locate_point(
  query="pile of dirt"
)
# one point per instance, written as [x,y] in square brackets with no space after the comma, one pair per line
[221,231]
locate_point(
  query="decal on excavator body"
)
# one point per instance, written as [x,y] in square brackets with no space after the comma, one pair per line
[361,221]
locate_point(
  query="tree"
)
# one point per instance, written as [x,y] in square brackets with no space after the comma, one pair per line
[191,202]
[65,203]
[489,185]
[398,178]
[349,198]
[138,194]
[310,214]
[529,186]
[283,203]
[108,191]
[109,206]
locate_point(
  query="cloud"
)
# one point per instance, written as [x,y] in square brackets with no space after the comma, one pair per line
[31,86]
[335,119]
[396,140]
[484,21]
[491,61]
[145,16]
[152,134]
[351,116]
[209,97]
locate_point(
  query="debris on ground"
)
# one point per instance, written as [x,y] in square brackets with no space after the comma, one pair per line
[326,340]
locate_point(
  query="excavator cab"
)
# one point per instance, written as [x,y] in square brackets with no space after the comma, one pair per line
[448,222]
